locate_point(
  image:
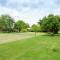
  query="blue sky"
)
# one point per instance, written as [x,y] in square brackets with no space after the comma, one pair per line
[29,10]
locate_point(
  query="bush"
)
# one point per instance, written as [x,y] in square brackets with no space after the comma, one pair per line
[24,30]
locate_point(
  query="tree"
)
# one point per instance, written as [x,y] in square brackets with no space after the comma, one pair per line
[50,24]
[6,23]
[35,28]
[20,25]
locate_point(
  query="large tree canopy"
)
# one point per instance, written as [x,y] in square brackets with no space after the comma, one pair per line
[19,25]
[6,23]
[50,23]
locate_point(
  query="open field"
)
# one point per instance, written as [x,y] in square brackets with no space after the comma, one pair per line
[8,37]
[42,47]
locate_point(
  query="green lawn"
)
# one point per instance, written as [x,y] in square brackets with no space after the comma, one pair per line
[36,48]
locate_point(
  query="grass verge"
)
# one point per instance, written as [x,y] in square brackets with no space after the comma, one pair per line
[36,48]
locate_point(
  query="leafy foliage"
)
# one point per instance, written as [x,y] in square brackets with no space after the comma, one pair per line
[6,23]
[20,25]
[35,28]
[50,23]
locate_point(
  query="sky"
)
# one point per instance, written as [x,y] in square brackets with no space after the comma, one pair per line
[29,11]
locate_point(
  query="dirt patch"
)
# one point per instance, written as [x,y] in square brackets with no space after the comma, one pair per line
[15,36]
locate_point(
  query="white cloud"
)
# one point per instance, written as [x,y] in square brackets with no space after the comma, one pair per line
[29,10]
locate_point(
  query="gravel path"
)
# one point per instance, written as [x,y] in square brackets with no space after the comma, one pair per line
[15,36]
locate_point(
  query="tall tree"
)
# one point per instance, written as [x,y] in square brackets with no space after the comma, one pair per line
[19,25]
[50,24]
[7,23]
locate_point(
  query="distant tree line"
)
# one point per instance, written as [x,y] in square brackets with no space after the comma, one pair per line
[49,24]
[8,24]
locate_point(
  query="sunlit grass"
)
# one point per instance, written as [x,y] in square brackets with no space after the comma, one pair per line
[36,48]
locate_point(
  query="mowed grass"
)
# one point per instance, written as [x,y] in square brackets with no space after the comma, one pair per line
[36,48]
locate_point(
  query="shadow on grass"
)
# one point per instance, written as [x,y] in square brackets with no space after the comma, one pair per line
[47,34]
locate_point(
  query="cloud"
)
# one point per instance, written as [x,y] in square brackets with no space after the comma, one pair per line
[29,10]
[18,4]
